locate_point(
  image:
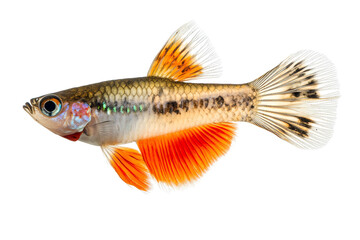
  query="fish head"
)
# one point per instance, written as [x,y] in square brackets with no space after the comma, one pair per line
[61,116]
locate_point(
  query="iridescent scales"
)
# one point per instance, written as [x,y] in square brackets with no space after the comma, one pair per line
[122,109]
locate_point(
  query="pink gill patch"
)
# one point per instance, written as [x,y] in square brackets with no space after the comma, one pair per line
[80,116]
[81,109]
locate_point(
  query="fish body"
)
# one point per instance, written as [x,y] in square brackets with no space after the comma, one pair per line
[181,128]
[129,110]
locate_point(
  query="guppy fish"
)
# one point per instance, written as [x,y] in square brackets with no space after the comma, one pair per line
[182,128]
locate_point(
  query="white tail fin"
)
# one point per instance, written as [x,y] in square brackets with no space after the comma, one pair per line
[297,99]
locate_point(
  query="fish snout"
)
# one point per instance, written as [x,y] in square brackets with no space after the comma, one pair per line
[28,108]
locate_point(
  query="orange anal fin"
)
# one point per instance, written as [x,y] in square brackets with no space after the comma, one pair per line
[73,137]
[180,157]
[186,55]
[129,165]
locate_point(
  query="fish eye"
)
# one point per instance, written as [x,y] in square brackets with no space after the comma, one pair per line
[50,105]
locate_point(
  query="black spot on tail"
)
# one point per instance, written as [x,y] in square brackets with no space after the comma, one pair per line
[309,77]
[296,94]
[287,66]
[305,122]
[312,82]
[296,71]
[312,94]
[299,63]
[297,130]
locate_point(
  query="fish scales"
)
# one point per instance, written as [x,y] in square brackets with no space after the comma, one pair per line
[149,106]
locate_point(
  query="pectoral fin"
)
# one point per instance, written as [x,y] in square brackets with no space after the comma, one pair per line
[129,165]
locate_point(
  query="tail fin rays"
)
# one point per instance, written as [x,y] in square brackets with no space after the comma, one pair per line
[297,99]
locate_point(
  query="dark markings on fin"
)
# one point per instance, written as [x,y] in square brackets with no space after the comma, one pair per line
[296,94]
[298,131]
[287,66]
[312,94]
[312,82]
[296,71]
[299,63]
[309,77]
[305,120]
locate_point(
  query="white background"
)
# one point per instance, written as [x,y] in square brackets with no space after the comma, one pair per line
[264,188]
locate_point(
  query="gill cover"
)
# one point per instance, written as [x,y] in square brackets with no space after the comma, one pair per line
[79,117]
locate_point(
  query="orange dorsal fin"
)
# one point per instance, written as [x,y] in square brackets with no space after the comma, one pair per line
[129,165]
[186,55]
[180,157]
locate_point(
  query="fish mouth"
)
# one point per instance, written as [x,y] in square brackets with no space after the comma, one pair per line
[28,108]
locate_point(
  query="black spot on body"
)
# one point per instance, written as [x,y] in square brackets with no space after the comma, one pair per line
[201,103]
[172,107]
[206,102]
[233,101]
[161,109]
[219,101]
[184,105]
[227,106]
[158,110]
